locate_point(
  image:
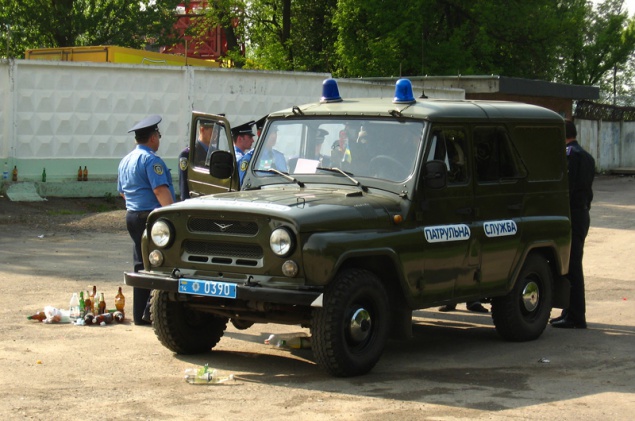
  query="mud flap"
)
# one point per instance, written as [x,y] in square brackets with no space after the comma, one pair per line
[561,292]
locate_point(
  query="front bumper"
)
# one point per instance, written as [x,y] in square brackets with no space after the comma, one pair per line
[246,292]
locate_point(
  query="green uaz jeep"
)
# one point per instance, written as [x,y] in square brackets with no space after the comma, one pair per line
[355,212]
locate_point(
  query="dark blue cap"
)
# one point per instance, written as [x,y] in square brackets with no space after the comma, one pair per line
[147,125]
[245,128]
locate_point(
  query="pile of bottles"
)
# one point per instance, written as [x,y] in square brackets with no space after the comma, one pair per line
[87,309]
[205,375]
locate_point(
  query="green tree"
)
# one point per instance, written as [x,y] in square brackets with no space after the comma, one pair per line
[65,23]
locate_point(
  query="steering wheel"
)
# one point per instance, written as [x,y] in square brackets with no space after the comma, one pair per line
[384,166]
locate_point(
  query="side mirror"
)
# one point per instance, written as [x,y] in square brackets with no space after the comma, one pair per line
[435,175]
[221,164]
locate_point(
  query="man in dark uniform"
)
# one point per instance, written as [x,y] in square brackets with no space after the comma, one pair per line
[581,173]
[201,149]
[145,182]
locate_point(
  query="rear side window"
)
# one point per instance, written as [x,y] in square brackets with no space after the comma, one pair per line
[494,156]
[542,150]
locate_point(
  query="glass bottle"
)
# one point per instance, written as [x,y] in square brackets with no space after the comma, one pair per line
[102,304]
[82,305]
[44,175]
[39,316]
[94,298]
[79,174]
[118,316]
[14,176]
[85,175]
[120,301]
[88,304]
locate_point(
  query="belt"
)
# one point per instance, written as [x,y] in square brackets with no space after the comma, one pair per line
[140,214]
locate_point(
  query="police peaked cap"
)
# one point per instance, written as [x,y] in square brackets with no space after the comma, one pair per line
[244,129]
[321,133]
[146,126]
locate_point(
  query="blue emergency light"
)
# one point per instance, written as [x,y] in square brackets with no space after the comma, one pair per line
[330,91]
[403,92]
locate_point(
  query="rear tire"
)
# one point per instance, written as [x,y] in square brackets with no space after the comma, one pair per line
[349,333]
[523,313]
[183,330]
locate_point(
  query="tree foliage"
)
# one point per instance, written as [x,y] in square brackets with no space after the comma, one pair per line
[566,41]
[66,23]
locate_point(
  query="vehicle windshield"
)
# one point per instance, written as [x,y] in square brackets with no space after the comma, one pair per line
[376,148]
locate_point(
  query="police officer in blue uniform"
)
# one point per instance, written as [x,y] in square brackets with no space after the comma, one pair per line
[581,174]
[145,182]
[243,139]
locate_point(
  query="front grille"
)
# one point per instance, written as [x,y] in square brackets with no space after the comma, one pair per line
[214,226]
[242,251]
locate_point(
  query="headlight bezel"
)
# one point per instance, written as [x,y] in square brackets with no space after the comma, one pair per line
[282,241]
[164,239]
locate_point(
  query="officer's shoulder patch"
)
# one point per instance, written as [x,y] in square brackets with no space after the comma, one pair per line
[244,165]
[183,163]
[158,169]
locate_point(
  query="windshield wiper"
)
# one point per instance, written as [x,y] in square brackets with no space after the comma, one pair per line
[345,174]
[284,174]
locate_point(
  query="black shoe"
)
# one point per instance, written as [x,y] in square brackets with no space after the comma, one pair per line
[448,307]
[142,323]
[556,319]
[567,323]
[477,308]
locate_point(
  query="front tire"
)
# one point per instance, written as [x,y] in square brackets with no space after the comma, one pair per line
[350,331]
[523,313]
[183,330]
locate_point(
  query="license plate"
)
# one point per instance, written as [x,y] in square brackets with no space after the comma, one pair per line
[208,288]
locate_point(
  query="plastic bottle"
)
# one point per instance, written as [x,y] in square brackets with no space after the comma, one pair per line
[5,172]
[103,319]
[205,376]
[298,340]
[120,301]
[73,310]
[88,318]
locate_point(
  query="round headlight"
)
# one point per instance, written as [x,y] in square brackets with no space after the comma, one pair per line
[161,233]
[155,258]
[281,242]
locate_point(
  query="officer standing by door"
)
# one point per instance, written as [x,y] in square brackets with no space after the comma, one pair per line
[581,173]
[145,182]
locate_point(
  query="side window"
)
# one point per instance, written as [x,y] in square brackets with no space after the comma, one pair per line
[493,155]
[448,144]
[209,134]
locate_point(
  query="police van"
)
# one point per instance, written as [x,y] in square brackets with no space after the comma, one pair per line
[353,213]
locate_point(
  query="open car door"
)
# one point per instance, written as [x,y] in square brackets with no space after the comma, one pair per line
[209,133]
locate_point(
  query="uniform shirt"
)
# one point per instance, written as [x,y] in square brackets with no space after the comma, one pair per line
[140,172]
[243,164]
[239,153]
[581,173]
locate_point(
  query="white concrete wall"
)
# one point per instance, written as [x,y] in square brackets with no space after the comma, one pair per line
[60,115]
[611,143]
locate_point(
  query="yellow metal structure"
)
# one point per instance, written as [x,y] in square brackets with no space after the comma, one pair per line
[114,54]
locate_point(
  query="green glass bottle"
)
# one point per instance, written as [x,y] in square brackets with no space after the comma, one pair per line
[82,305]
[44,175]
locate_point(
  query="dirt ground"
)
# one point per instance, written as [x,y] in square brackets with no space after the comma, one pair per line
[455,368]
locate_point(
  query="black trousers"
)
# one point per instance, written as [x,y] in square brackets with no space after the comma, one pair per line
[580,221]
[136,224]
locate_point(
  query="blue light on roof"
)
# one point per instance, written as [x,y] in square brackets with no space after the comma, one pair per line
[403,92]
[330,91]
